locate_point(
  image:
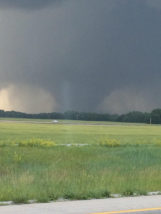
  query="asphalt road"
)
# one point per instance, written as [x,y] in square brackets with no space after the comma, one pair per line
[138,205]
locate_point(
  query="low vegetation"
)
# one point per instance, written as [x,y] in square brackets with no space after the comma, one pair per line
[35,164]
[34,142]
[107,142]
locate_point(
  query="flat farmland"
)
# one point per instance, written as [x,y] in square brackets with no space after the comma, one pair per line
[44,162]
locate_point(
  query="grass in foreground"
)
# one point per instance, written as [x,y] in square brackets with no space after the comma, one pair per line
[118,159]
[47,174]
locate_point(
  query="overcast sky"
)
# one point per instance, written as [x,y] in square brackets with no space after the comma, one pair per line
[85,55]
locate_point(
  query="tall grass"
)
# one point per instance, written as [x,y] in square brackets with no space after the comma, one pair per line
[47,174]
[118,159]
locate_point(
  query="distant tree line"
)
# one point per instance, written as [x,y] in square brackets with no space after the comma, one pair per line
[134,116]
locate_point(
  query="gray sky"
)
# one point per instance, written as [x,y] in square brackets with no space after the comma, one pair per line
[88,55]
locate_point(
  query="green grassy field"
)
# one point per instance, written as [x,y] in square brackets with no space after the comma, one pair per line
[66,121]
[34,165]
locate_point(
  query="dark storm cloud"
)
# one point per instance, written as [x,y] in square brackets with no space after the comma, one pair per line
[26,4]
[155,3]
[88,55]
